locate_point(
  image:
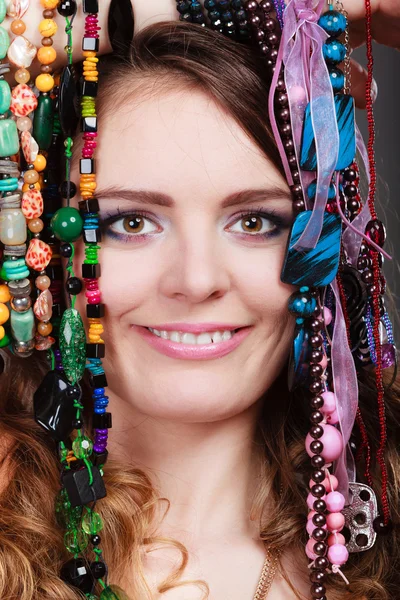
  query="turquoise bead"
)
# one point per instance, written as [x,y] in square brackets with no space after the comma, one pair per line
[9,142]
[312,189]
[337,79]
[67,224]
[22,325]
[15,269]
[334,51]
[9,185]
[5,97]
[3,10]
[4,43]
[333,22]
[302,305]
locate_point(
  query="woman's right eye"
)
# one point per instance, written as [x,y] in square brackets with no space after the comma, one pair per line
[129,226]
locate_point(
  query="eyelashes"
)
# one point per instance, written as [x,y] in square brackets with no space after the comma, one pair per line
[254,224]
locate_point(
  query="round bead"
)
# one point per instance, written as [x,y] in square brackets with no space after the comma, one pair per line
[68,189]
[319,520]
[310,549]
[332,442]
[24,123]
[336,77]
[77,424]
[48,27]
[95,540]
[18,27]
[318,591]
[335,502]
[336,538]
[316,446]
[320,534]
[47,41]
[317,462]
[317,576]
[44,329]
[44,82]
[321,563]
[67,8]
[98,569]
[329,405]
[22,75]
[319,505]
[316,356]
[40,163]
[49,4]
[316,371]
[35,225]
[42,282]
[31,176]
[311,501]
[4,313]
[320,548]
[338,554]
[301,305]
[334,51]
[380,528]
[375,231]
[331,483]
[316,387]
[316,432]
[46,55]
[82,447]
[5,295]
[318,490]
[73,286]
[92,523]
[66,250]
[67,224]
[21,304]
[316,417]
[334,22]
[48,14]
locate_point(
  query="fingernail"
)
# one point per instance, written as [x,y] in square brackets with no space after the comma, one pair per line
[374,90]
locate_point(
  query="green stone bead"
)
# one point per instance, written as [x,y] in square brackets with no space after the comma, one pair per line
[9,142]
[43,122]
[3,10]
[4,43]
[113,592]
[72,345]
[76,541]
[5,96]
[22,325]
[67,224]
[5,341]
[82,447]
[92,523]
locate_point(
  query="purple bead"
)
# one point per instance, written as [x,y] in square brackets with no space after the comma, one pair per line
[375,231]
[388,355]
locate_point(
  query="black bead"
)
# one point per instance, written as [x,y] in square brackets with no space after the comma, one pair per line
[316,387]
[98,381]
[68,189]
[77,424]
[89,124]
[316,432]
[316,340]
[316,402]
[74,391]
[98,569]
[66,250]
[317,576]
[350,174]
[53,407]
[75,573]
[380,528]
[67,8]
[89,88]
[95,540]
[91,205]
[319,505]
[318,490]
[316,356]
[316,446]
[99,458]
[77,485]
[316,417]
[91,271]
[299,205]
[318,476]
[320,534]
[73,286]
[121,25]
[318,461]
[95,350]
[92,236]
[68,107]
[367,276]
[95,311]
[319,520]
[320,548]
[317,590]
[103,421]
[316,370]
[91,6]
[350,190]
[321,563]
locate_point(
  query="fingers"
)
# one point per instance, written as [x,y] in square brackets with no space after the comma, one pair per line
[358,84]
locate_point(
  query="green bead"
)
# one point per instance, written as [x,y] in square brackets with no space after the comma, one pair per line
[9,142]
[5,96]
[82,447]
[76,541]
[14,269]
[113,592]
[72,345]
[22,325]
[4,43]
[3,10]
[92,523]
[43,122]
[67,224]
[5,341]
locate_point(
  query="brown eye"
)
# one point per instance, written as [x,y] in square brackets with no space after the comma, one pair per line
[133,224]
[252,224]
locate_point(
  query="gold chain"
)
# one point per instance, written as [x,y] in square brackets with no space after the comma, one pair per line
[267,575]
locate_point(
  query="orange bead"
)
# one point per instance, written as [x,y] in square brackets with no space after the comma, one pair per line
[49,4]
[31,176]
[46,55]
[22,75]
[44,82]
[48,27]
[2,332]
[40,163]
[26,188]
[35,225]
[18,27]
[5,295]
[42,282]
[44,328]
[4,313]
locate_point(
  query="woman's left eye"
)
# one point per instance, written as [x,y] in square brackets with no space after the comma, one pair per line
[131,224]
[255,224]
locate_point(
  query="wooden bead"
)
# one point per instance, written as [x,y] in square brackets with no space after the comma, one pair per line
[46,55]
[48,14]
[47,41]
[44,328]
[22,75]
[44,82]
[31,176]
[40,163]
[35,225]
[46,69]
[18,27]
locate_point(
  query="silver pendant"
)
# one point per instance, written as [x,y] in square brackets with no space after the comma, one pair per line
[359,517]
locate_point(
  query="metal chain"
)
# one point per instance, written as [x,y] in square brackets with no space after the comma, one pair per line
[347,65]
[267,575]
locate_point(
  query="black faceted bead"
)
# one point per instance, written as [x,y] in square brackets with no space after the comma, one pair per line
[89,124]
[102,421]
[95,311]
[91,6]
[67,8]
[73,286]
[91,205]
[90,44]
[76,574]
[91,271]
[77,424]
[95,540]
[54,407]
[89,88]
[66,250]
[380,528]
[92,236]
[68,107]
[98,569]
[77,485]
[68,189]
[87,166]
[99,458]
[95,350]
[98,381]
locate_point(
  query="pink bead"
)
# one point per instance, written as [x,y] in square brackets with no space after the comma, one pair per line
[335,521]
[336,538]
[338,554]
[311,499]
[328,481]
[335,502]
[332,441]
[329,403]
[298,93]
[310,527]
[309,549]
[327,316]
[333,418]
[311,514]
[324,362]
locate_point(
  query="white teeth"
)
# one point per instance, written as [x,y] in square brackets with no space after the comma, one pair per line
[215,337]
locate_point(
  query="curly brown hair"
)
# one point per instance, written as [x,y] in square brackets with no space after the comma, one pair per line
[31,542]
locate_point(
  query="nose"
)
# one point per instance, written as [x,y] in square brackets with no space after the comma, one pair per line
[196,269]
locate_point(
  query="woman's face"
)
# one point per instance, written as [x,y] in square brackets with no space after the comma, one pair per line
[199,242]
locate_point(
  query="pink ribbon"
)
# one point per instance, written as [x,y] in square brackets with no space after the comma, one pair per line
[307,81]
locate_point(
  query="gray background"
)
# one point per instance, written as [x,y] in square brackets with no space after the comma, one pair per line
[387,148]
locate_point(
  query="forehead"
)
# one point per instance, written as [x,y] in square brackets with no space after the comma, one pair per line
[174,140]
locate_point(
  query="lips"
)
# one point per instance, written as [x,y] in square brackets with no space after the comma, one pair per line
[192,351]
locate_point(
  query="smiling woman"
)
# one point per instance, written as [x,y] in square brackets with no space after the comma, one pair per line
[207,475]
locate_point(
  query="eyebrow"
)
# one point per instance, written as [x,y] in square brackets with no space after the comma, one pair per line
[161,199]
